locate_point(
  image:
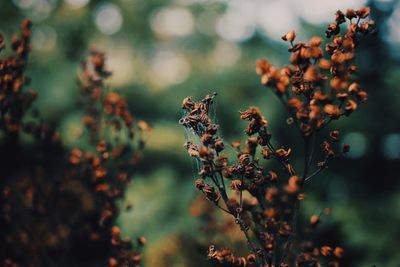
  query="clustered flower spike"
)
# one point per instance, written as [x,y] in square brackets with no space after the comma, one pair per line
[58,203]
[14,100]
[110,165]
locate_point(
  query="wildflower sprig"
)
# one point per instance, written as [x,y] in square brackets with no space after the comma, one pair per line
[58,203]
[109,164]
[15,100]
[317,88]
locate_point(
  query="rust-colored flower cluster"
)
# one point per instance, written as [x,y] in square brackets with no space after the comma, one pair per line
[262,189]
[318,87]
[117,143]
[14,100]
[59,206]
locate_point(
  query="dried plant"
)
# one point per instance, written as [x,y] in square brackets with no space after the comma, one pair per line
[14,101]
[316,88]
[117,143]
[59,207]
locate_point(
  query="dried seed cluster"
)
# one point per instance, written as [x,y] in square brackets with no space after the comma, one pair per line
[315,90]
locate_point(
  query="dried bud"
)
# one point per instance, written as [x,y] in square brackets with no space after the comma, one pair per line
[263,67]
[115,231]
[192,149]
[332,29]
[112,262]
[363,12]
[334,135]
[199,184]
[314,220]
[141,241]
[283,153]
[212,129]
[206,139]
[311,74]
[289,37]
[188,103]
[350,106]
[338,252]
[345,148]
[324,64]
[210,193]
[263,137]
[273,176]
[326,251]
[219,145]
[300,197]
[340,17]
[333,111]
[237,185]
[350,14]
[354,88]
[362,96]
[266,153]
[292,186]
[236,144]
[251,259]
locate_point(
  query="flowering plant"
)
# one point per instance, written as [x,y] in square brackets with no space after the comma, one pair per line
[317,88]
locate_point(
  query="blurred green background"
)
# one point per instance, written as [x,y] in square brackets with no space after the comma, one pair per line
[161,51]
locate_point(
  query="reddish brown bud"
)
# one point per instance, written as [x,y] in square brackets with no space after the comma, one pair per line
[314,219]
[338,252]
[289,37]
[345,148]
[363,12]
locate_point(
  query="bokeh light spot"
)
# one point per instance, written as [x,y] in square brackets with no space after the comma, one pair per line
[36,10]
[358,144]
[391,146]
[120,59]
[225,54]
[205,22]
[276,18]
[108,18]
[44,38]
[169,68]
[75,4]
[24,3]
[173,21]
[232,26]
[72,129]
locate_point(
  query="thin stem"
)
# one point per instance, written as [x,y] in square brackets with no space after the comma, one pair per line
[296,204]
[244,230]
[241,198]
[238,220]
[221,177]
[314,174]
[314,144]
[222,208]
